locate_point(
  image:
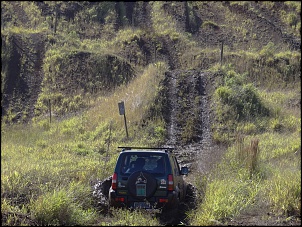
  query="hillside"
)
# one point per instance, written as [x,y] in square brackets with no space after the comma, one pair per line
[190,38]
[204,77]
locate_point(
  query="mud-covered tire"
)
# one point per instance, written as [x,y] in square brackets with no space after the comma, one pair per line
[170,214]
[151,184]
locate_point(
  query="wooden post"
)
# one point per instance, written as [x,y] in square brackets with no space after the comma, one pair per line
[122,111]
[154,52]
[49,106]
[126,125]
[221,52]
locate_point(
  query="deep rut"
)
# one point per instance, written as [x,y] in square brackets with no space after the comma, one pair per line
[201,154]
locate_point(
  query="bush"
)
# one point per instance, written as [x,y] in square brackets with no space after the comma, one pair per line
[243,99]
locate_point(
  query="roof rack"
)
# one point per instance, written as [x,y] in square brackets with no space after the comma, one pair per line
[149,148]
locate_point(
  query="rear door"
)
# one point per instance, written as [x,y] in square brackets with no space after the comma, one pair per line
[152,173]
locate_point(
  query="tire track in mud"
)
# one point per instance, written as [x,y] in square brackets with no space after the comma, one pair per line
[201,154]
[172,92]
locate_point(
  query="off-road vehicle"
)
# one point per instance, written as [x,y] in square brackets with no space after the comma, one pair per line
[148,178]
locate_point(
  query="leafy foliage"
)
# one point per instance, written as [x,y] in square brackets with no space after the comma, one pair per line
[238,101]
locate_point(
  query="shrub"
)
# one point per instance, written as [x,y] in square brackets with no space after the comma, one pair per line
[276,125]
[243,100]
[224,93]
[247,128]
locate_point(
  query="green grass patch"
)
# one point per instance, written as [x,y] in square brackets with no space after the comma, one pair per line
[48,168]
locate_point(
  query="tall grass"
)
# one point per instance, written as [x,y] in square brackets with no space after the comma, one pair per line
[275,178]
[48,169]
[224,199]
[261,168]
[126,217]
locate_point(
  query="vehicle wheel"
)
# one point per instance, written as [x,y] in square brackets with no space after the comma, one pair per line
[170,215]
[146,178]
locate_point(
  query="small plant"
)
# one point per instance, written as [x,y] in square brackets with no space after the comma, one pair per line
[210,24]
[248,155]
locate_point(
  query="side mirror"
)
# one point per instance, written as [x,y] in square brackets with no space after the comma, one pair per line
[184,170]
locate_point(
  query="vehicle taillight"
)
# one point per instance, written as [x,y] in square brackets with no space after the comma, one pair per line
[170,182]
[114,181]
[120,199]
[163,200]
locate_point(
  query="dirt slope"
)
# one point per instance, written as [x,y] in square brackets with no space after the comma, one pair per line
[201,147]
[200,153]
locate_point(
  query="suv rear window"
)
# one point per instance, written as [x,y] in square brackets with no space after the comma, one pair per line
[153,163]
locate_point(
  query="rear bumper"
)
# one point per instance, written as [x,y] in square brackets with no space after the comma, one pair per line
[116,200]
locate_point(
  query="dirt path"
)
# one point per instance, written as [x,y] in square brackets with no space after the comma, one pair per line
[202,153]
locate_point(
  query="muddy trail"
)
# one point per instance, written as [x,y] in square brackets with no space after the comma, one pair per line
[199,153]
[187,95]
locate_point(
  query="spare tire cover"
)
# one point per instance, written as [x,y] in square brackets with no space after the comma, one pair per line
[144,179]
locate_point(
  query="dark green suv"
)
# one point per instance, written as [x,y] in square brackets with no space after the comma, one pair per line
[147,178]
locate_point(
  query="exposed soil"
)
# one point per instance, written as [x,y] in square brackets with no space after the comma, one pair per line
[200,153]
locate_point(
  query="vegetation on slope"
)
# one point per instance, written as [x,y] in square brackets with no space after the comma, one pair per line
[85,57]
[59,162]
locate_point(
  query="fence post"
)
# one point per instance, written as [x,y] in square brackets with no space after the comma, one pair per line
[49,110]
[221,52]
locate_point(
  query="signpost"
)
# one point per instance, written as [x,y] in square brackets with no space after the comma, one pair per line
[121,108]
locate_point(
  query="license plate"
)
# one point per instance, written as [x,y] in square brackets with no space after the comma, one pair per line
[142,205]
[141,190]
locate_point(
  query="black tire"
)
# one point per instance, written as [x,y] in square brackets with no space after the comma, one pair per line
[151,184]
[170,214]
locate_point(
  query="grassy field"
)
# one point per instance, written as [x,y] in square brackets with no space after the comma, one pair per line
[48,169]
[261,169]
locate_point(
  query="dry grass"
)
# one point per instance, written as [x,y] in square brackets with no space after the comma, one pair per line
[249,154]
